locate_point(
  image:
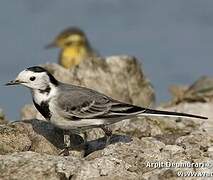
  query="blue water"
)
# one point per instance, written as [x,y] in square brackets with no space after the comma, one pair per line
[173,39]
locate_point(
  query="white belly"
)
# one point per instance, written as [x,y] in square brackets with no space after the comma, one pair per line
[75,124]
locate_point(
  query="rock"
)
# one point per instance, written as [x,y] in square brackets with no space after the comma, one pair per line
[120,77]
[30,112]
[199,108]
[200,91]
[2,117]
[33,135]
[145,158]
[13,140]
[163,128]
[196,141]
[42,137]
[31,165]
[115,161]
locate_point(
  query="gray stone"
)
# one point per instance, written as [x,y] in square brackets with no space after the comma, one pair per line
[122,159]
[120,77]
[34,166]
[200,91]
[33,135]
[29,112]
[13,139]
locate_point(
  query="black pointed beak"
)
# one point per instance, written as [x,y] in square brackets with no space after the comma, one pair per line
[51,45]
[13,82]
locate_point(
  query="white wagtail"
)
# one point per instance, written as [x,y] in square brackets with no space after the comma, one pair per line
[76,108]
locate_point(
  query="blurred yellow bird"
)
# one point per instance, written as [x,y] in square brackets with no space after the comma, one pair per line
[74,45]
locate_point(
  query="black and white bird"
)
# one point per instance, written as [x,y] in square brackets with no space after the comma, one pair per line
[78,108]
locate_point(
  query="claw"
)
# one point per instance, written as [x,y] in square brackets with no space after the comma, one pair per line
[108,134]
[64,152]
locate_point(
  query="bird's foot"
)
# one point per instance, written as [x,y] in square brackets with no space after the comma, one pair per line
[66,150]
[107,142]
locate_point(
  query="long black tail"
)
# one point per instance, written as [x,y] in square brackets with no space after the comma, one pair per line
[152,112]
[122,109]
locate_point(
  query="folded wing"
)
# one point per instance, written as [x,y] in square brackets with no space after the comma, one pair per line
[92,105]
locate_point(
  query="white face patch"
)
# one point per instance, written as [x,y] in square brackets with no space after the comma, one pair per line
[42,84]
[33,80]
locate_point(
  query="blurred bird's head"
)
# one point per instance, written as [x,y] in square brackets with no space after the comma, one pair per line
[74,46]
[72,37]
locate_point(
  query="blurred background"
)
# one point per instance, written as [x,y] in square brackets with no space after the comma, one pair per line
[172,39]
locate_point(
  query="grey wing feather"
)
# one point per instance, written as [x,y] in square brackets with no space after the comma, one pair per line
[82,103]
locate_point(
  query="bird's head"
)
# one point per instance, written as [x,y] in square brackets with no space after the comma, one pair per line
[70,38]
[34,77]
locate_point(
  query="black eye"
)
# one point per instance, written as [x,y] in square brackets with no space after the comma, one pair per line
[32,78]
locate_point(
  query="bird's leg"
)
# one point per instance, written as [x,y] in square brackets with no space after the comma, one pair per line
[108,134]
[72,142]
[85,137]
[67,143]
